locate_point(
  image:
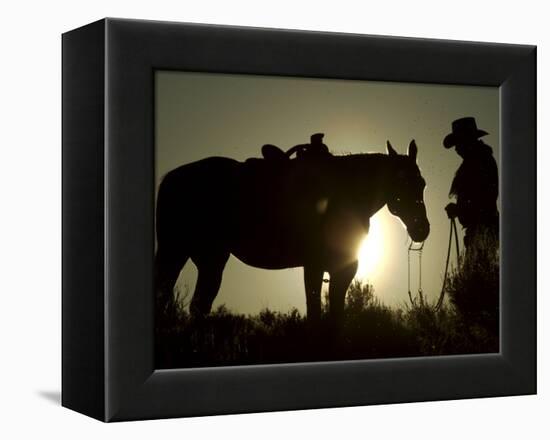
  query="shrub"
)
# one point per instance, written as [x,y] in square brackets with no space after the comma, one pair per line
[370,330]
[474,291]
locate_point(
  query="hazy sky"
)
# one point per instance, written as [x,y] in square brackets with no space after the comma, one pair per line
[200,115]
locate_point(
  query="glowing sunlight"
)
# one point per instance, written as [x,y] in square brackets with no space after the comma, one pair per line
[371,251]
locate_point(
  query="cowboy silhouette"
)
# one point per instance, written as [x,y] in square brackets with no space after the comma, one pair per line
[475,187]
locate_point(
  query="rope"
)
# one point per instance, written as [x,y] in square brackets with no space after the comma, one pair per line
[452,229]
[409,274]
[420,270]
[456,242]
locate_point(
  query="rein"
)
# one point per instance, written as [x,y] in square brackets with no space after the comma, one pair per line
[452,230]
[419,250]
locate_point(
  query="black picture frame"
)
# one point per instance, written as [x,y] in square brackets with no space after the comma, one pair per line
[108,204]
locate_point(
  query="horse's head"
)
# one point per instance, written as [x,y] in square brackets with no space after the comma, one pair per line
[406,196]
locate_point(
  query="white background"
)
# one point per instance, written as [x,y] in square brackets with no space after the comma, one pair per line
[30,218]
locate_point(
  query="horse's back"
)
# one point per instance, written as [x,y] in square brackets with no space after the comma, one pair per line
[194,197]
[210,169]
[263,212]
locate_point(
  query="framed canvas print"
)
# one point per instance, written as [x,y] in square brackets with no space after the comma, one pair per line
[262,219]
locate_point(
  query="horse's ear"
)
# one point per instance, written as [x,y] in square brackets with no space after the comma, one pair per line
[413,150]
[391,151]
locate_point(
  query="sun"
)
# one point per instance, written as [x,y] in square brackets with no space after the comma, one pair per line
[371,250]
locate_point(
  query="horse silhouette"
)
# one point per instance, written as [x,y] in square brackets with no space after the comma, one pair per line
[311,213]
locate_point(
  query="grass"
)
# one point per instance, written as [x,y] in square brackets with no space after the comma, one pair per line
[466,324]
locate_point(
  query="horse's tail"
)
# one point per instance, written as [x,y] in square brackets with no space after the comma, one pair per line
[170,255]
[165,210]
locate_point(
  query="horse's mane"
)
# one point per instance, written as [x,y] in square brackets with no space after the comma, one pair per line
[363,157]
[361,162]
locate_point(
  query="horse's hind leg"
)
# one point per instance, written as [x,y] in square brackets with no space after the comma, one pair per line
[210,269]
[168,264]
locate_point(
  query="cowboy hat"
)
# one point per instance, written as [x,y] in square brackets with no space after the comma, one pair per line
[464,129]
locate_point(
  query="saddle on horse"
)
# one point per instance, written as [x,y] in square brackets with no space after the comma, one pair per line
[316,148]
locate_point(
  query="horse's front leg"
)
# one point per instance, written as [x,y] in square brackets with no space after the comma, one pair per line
[313,280]
[340,279]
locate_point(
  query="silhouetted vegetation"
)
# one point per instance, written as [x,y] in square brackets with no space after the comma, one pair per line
[474,292]
[466,324]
